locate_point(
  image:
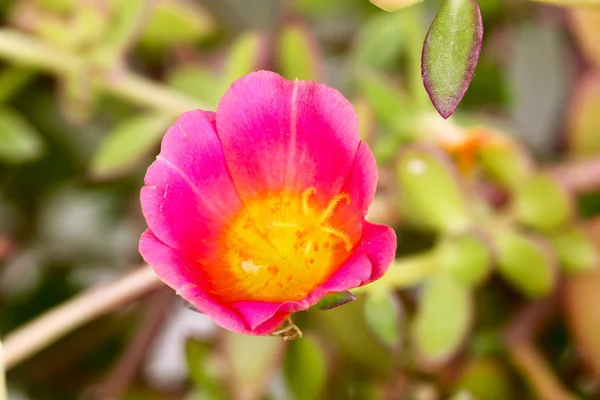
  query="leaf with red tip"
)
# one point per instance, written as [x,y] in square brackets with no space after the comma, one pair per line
[450,53]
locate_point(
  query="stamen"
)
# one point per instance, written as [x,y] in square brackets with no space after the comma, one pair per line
[308,248]
[340,235]
[282,224]
[305,197]
[332,205]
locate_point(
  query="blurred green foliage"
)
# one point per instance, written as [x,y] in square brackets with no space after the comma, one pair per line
[87,88]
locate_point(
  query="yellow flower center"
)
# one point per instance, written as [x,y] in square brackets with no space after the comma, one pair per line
[281,247]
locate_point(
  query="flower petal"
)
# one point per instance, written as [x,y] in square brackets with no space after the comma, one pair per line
[189,194]
[379,244]
[362,181]
[368,263]
[174,268]
[350,275]
[284,135]
[360,186]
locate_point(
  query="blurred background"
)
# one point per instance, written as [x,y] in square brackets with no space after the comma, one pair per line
[494,293]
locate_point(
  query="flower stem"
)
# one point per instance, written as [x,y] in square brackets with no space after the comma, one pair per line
[405,272]
[93,303]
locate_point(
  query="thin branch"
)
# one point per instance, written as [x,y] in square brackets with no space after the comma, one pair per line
[22,49]
[91,304]
[579,176]
[129,363]
[520,335]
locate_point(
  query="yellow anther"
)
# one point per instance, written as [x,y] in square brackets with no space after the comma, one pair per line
[332,205]
[282,224]
[340,235]
[305,197]
[308,248]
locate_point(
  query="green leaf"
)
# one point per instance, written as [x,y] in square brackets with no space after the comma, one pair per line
[389,103]
[19,142]
[334,300]
[541,203]
[394,5]
[299,56]
[366,119]
[382,313]
[380,42]
[12,79]
[305,369]
[526,263]
[203,372]
[486,379]
[504,162]
[246,54]
[430,194]
[199,83]
[176,22]
[450,53]
[251,361]
[575,250]
[443,319]
[348,333]
[128,143]
[467,258]
[462,395]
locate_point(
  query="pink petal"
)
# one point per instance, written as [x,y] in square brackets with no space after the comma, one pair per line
[350,275]
[360,185]
[175,269]
[379,244]
[369,262]
[362,180]
[189,194]
[284,135]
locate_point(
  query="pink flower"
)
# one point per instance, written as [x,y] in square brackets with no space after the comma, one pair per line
[258,210]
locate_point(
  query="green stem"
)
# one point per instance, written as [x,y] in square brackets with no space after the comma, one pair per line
[146,92]
[404,273]
[22,49]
